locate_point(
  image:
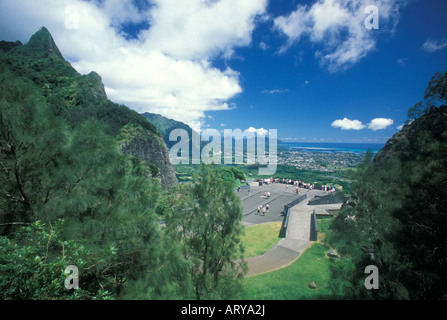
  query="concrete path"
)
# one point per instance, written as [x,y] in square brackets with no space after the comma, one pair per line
[297,238]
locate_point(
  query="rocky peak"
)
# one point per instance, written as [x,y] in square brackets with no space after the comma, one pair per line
[42,41]
[151,148]
[41,61]
[96,84]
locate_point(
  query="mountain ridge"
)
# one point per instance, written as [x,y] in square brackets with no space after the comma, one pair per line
[79,97]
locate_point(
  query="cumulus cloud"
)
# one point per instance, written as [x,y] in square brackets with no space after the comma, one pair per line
[347,124]
[380,124]
[198,29]
[434,45]
[339,27]
[166,67]
[375,124]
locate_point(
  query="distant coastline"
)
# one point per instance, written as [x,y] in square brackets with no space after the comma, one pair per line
[329,147]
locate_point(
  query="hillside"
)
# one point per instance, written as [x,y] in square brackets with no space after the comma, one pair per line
[81,191]
[77,97]
[165,126]
[396,215]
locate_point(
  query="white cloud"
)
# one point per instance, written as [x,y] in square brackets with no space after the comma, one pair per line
[434,45]
[274,91]
[347,124]
[339,27]
[260,131]
[380,124]
[293,25]
[263,46]
[168,68]
[375,124]
[402,61]
[197,29]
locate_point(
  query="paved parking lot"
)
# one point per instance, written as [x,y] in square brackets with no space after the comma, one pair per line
[280,195]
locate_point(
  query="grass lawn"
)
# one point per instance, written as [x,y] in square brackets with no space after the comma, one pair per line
[292,282]
[260,238]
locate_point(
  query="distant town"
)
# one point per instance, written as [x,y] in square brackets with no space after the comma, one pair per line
[319,161]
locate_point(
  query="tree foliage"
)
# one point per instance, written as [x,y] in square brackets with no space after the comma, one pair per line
[206,219]
[32,265]
[52,168]
[435,95]
[395,217]
[68,196]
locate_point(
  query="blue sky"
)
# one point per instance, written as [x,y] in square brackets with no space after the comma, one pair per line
[310,69]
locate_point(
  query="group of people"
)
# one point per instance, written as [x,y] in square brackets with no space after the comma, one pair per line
[326,188]
[298,184]
[287,182]
[262,209]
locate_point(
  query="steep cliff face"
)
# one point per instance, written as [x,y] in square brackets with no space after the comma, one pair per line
[77,98]
[151,148]
[94,80]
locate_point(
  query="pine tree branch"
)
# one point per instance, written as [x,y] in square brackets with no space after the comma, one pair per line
[15,224]
[19,181]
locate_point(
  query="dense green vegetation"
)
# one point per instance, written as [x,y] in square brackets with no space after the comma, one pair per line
[73,96]
[395,217]
[50,171]
[68,196]
[206,217]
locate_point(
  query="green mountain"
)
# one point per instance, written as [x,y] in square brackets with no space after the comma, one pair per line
[165,126]
[81,182]
[81,201]
[77,97]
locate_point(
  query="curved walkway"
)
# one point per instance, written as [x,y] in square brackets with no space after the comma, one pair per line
[297,238]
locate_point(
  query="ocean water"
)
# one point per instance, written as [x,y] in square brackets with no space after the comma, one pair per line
[326,147]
